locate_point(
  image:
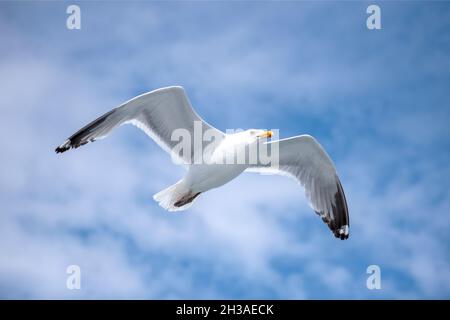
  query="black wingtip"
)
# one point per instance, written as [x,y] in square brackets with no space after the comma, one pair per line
[64,147]
[84,135]
[342,233]
[339,223]
[341,211]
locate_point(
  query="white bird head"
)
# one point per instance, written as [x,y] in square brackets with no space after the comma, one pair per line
[254,135]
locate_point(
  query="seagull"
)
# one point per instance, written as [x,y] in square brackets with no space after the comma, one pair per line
[161,112]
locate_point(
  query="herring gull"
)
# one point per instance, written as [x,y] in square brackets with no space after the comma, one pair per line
[162,112]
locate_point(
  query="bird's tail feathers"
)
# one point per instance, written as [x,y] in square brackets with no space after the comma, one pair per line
[177,197]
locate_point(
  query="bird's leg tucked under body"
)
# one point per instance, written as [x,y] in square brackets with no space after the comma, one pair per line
[186,199]
[177,197]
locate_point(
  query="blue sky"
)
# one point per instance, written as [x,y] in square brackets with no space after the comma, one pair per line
[376,100]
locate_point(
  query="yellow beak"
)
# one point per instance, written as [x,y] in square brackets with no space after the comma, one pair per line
[267,134]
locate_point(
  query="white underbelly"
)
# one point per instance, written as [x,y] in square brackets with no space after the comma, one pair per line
[204,177]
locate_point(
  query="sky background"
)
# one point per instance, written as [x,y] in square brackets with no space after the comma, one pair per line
[376,100]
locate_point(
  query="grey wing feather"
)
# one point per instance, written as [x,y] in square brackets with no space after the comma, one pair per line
[304,158]
[158,113]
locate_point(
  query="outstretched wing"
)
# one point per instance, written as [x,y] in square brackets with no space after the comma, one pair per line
[158,113]
[304,158]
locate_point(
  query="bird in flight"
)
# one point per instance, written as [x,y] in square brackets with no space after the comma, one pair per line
[161,112]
